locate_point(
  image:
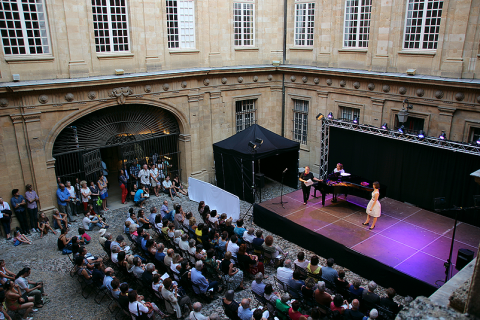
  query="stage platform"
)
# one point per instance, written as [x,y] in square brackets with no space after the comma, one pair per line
[406,250]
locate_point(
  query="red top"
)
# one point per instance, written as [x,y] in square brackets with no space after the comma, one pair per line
[294,315]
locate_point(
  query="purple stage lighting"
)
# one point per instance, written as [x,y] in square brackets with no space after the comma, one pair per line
[442,136]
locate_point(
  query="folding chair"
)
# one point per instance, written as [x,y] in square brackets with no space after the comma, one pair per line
[260,300]
[280,285]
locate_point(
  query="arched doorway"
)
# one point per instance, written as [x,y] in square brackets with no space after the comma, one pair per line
[118,136]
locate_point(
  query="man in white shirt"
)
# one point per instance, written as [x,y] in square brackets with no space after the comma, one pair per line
[4,206]
[232,246]
[248,235]
[144,176]
[89,224]
[285,273]
[183,244]
[168,187]
[73,198]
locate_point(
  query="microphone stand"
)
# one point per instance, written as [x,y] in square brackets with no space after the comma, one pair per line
[281,193]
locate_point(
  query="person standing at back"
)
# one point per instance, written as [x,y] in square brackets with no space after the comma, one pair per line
[32,206]
[18,205]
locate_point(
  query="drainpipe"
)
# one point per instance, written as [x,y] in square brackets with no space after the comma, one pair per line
[285,6]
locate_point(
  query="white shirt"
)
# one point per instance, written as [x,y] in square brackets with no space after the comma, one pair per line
[284,274]
[4,206]
[338,171]
[22,283]
[72,191]
[248,237]
[132,307]
[86,222]
[85,194]
[156,287]
[154,172]
[183,245]
[114,257]
[167,184]
[233,248]
[303,264]
[144,176]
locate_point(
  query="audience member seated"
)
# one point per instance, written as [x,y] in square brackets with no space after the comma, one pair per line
[328,273]
[260,313]
[147,276]
[175,302]
[283,307]
[307,290]
[158,223]
[230,305]
[249,262]
[222,245]
[199,252]
[5,274]
[29,288]
[353,313]
[89,222]
[258,240]
[119,241]
[229,227]
[285,273]
[373,314]
[44,225]
[233,276]
[301,261]
[142,220]
[107,280]
[82,270]
[20,238]
[294,311]
[388,303]
[137,307]
[257,285]
[123,297]
[369,295]
[295,285]
[274,251]
[338,304]
[340,282]
[114,254]
[271,296]
[160,255]
[14,300]
[313,266]
[138,268]
[248,235]
[83,236]
[63,241]
[183,243]
[177,237]
[196,314]
[59,219]
[315,314]
[211,266]
[323,298]
[98,274]
[232,246]
[115,288]
[213,219]
[239,230]
[355,288]
[202,285]
[244,311]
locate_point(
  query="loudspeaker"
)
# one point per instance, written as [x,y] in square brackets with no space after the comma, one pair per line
[463,258]
[259,180]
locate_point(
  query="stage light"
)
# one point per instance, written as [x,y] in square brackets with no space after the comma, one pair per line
[421,134]
[319,116]
[442,136]
[252,145]
[355,120]
[478,142]
[258,140]
[385,126]
[401,129]
[330,115]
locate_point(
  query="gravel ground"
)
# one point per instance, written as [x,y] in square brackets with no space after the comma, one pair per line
[66,302]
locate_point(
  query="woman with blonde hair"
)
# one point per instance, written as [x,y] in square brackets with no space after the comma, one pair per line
[86,193]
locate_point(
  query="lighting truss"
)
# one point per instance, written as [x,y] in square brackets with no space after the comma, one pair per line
[391,134]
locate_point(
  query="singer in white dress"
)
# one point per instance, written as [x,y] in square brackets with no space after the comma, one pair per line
[374,208]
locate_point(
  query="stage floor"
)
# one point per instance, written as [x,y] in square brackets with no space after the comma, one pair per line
[409,239]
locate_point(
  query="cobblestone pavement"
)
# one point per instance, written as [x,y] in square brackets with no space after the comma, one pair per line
[66,302]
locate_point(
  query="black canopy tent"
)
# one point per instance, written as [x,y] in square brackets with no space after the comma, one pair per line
[233,160]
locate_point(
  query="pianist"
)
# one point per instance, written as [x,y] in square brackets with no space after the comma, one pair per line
[304,177]
[339,169]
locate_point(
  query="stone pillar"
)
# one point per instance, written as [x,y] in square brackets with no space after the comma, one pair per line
[76,36]
[185,155]
[23,152]
[444,122]
[199,129]
[380,35]
[375,117]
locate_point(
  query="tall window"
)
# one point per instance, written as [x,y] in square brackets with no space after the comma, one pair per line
[24,28]
[350,113]
[474,135]
[110,24]
[422,24]
[357,23]
[244,23]
[181,23]
[300,121]
[304,23]
[245,114]
[413,125]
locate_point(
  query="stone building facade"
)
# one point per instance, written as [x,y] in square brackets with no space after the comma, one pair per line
[201,60]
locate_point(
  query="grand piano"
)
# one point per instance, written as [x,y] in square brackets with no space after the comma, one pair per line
[348,185]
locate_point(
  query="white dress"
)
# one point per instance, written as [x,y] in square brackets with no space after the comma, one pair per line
[376,210]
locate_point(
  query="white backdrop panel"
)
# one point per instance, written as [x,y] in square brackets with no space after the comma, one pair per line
[216,198]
